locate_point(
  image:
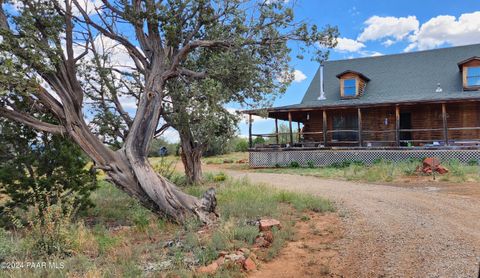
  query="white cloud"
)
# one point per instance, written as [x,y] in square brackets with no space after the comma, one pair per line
[388,43]
[396,28]
[244,117]
[128,102]
[446,29]
[293,76]
[348,45]
[298,76]
[171,135]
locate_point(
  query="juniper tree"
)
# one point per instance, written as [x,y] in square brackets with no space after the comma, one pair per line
[52,55]
[38,168]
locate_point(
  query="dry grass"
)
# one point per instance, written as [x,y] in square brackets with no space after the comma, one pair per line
[119,238]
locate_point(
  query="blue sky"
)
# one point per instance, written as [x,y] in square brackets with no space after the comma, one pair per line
[367,28]
[379,27]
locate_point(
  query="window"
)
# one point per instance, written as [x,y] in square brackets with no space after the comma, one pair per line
[349,87]
[473,76]
[345,121]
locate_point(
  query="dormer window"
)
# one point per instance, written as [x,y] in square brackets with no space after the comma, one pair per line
[470,69]
[352,84]
[350,87]
[473,76]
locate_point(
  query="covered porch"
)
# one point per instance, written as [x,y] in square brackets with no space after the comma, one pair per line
[437,125]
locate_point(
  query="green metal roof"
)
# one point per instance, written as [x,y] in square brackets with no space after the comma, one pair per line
[398,78]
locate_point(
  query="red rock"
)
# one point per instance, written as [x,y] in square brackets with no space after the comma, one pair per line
[209,269]
[261,242]
[223,253]
[249,265]
[431,162]
[441,170]
[427,170]
[268,235]
[220,261]
[268,224]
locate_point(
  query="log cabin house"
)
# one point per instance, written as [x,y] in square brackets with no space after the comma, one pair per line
[394,107]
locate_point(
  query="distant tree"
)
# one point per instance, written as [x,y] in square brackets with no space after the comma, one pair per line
[239,144]
[258,140]
[284,137]
[160,142]
[46,55]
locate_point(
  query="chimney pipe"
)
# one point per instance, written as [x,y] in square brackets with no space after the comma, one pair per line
[322,92]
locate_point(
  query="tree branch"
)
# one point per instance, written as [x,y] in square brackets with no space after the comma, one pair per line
[31,122]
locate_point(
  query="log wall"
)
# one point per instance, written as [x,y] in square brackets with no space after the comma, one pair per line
[382,121]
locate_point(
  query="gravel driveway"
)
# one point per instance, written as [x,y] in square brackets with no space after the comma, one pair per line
[395,231]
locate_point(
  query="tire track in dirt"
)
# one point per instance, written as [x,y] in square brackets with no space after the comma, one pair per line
[393,231]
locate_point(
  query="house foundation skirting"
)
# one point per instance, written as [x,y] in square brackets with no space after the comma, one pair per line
[275,158]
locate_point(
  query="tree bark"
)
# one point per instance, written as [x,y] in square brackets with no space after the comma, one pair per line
[191,157]
[134,175]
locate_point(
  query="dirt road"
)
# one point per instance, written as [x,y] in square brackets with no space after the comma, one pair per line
[394,231]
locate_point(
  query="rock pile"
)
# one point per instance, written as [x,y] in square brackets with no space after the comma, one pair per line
[432,164]
[245,257]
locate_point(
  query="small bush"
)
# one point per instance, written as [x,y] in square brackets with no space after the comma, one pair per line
[165,167]
[473,162]
[241,199]
[140,217]
[294,164]
[311,164]
[241,145]
[51,229]
[245,233]
[302,202]
[215,177]
[6,244]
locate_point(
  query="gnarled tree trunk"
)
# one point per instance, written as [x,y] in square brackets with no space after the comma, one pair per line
[191,155]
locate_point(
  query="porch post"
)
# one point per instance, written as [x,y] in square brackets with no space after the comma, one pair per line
[325,138]
[276,131]
[360,141]
[290,126]
[299,132]
[445,124]
[250,141]
[397,125]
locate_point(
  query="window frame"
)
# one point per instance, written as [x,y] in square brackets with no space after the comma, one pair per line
[467,76]
[354,87]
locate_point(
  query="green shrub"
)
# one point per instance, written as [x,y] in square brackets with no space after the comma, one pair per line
[302,202]
[294,164]
[245,233]
[311,164]
[258,140]
[214,177]
[7,244]
[206,255]
[241,199]
[140,217]
[165,167]
[240,144]
[51,229]
[36,168]
[473,162]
